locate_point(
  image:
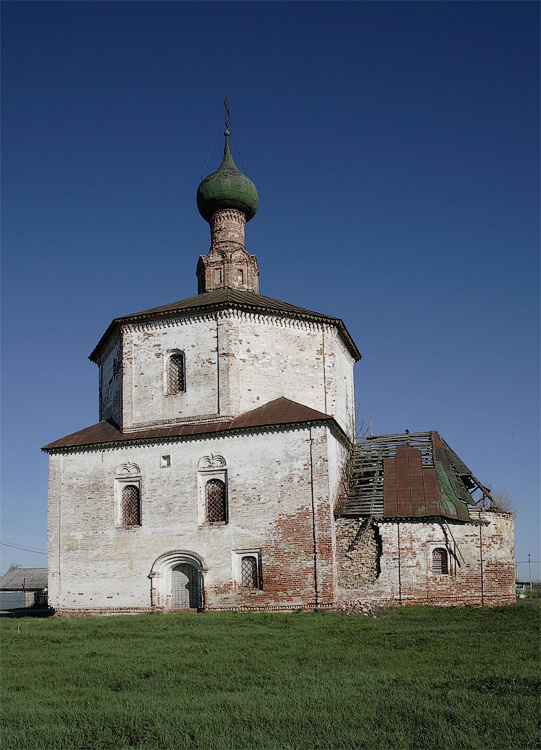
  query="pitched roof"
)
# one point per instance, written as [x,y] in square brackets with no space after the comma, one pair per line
[281,411]
[223,299]
[413,475]
[27,578]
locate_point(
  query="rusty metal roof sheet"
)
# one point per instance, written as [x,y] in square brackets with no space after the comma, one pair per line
[413,475]
[281,411]
[222,299]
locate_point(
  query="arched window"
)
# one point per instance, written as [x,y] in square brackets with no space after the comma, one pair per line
[215,501]
[248,573]
[176,373]
[131,505]
[440,562]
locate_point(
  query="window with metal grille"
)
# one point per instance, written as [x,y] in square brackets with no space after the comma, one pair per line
[440,564]
[216,501]
[176,376]
[131,506]
[248,573]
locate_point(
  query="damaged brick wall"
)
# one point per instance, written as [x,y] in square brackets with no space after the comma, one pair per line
[358,552]
[480,555]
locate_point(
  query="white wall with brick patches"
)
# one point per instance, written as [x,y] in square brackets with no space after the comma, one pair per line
[406,562]
[260,358]
[145,354]
[54,526]
[111,382]
[278,357]
[96,565]
[338,451]
[300,360]
[339,380]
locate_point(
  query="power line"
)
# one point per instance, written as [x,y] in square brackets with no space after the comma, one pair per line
[25,549]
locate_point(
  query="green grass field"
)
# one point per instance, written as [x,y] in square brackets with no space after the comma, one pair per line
[418,677]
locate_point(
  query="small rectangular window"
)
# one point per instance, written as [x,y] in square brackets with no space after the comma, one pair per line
[248,572]
[247,569]
[166,462]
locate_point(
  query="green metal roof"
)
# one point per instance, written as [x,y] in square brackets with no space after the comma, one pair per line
[227,188]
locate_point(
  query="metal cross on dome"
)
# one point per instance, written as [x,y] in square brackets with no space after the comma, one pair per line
[227,115]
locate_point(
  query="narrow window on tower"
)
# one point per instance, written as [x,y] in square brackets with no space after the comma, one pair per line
[131,505]
[440,561]
[241,276]
[216,501]
[175,373]
[219,278]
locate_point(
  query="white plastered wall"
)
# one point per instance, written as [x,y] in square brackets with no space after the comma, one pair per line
[97,565]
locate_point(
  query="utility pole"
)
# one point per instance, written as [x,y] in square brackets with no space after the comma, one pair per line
[530,569]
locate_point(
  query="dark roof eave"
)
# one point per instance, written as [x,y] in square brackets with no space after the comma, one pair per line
[192,311]
[281,412]
[50,448]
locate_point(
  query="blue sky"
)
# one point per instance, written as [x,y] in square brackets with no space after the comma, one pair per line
[395,149]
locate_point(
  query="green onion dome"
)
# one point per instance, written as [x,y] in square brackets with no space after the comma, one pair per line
[227,188]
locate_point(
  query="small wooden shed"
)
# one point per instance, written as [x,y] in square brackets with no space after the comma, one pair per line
[23,588]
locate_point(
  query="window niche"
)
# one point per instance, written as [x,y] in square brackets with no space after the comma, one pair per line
[127,496]
[212,489]
[247,569]
[440,561]
[175,372]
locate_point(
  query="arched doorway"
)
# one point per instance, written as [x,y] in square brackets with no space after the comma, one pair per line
[184,587]
[177,581]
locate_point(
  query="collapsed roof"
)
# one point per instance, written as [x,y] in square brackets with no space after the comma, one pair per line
[415,475]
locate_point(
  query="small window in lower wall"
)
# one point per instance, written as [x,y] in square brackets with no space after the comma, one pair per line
[440,561]
[248,572]
[247,569]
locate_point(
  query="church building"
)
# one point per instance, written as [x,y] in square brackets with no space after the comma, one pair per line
[225,472]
